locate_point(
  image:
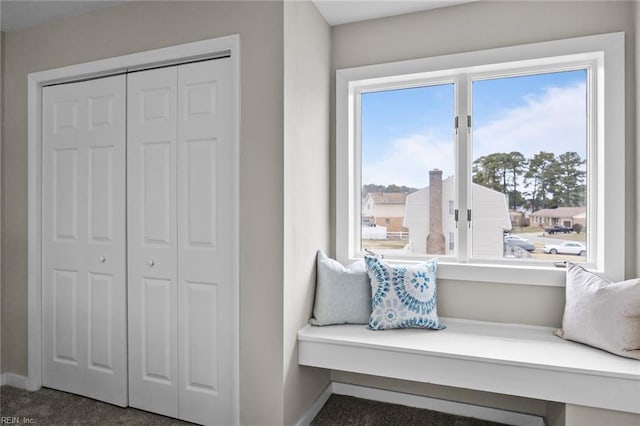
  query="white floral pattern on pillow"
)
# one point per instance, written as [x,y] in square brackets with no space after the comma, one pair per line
[403,296]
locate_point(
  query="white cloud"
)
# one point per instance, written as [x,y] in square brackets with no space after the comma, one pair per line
[554,121]
[409,160]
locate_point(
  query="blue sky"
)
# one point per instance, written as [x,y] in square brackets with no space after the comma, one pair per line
[407,132]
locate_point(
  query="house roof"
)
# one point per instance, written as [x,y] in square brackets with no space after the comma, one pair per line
[560,212]
[388,197]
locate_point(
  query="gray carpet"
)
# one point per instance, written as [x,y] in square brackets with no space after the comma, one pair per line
[347,410]
[51,407]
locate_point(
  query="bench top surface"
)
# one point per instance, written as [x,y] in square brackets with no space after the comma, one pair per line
[515,344]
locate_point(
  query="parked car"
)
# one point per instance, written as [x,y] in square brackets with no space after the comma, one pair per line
[526,245]
[558,229]
[514,237]
[567,247]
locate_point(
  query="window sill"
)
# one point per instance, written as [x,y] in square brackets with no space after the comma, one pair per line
[519,274]
[503,274]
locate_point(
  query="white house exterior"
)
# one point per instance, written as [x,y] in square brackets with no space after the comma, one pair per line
[490,220]
[384,209]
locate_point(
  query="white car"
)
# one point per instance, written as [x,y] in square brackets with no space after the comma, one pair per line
[567,247]
[514,237]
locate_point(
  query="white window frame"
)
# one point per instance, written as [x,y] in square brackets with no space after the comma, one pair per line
[606,177]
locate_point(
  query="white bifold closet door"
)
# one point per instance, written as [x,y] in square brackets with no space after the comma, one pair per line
[84,314]
[180,241]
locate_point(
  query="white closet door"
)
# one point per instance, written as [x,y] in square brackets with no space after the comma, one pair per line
[180,158]
[152,229]
[205,242]
[83,251]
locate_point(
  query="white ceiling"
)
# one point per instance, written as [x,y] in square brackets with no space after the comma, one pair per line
[18,14]
[338,12]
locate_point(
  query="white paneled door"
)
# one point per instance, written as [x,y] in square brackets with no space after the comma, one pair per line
[153,290]
[180,207]
[138,240]
[205,242]
[84,240]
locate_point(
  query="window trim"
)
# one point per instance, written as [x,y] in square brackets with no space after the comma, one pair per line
[607,176]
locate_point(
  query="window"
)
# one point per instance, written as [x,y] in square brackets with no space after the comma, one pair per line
[512,139]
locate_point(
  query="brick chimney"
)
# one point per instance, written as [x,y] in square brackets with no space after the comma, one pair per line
[435,238]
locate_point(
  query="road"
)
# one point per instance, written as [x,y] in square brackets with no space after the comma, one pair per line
[539,240]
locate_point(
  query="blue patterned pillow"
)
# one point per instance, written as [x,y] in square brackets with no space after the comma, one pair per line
[403,296]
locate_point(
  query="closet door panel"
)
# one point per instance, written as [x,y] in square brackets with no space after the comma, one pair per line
[205,241]
[152,165]
[65,193]
[65,317]
[101,181]
[84,256]
[105,224]
[156,340]
[100,356]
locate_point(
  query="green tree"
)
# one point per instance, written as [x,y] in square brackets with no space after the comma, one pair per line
[551,181]
[372,187]
[540,178]
[491,171]
[516,163]
[502,172]
[571,188]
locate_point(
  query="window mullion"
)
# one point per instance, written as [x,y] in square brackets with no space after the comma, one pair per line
[356,186]
[462,155]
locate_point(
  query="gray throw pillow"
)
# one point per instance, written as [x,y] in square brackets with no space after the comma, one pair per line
[343,294]
[602,314]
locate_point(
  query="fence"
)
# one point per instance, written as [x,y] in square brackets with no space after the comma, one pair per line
[401,236]
[374,232]
[380,233]
[517,252]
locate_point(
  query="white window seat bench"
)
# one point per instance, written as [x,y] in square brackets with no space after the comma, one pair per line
[527,361]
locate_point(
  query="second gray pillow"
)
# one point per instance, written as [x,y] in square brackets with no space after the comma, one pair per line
[343,294]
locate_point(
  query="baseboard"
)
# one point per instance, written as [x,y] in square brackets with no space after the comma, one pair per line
[441,405]
[315,408]
[15,380]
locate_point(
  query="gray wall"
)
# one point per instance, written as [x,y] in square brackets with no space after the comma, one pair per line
[637,134]
[2,319]
[484,25]
[307,41]
[139,26]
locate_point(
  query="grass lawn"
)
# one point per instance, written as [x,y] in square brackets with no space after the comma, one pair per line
[582,237]
[384,244]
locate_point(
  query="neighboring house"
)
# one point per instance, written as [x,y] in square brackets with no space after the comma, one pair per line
[517,218]
[490,219]
[581,218]
[384,209]
[565,216]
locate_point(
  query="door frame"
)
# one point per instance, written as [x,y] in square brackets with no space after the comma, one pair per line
[199,50]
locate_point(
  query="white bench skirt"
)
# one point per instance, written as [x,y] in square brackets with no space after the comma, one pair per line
[511,359]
